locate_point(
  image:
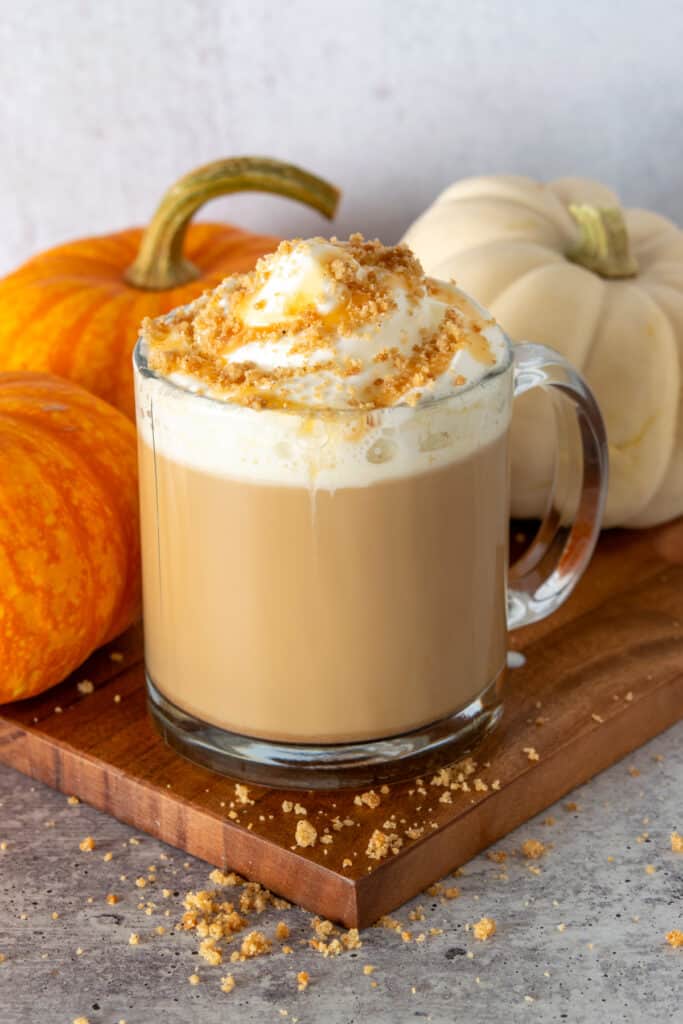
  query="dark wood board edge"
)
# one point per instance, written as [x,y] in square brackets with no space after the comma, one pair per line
[137,803]
[522,798]
[316,888]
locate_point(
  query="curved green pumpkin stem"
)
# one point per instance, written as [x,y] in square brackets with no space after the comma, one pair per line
[603,245]
[160,263]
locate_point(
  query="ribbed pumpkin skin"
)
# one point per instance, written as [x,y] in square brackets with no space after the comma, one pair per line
[69,546]
[69,310]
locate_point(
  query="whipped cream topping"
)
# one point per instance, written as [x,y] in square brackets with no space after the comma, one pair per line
[324,324]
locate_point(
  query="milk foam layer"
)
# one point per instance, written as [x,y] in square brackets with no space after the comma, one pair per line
[324,450]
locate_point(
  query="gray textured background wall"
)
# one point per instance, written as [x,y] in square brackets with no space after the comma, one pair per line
[103,104]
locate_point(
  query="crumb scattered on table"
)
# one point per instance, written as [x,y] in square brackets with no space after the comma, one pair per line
[484,929]
[306,833]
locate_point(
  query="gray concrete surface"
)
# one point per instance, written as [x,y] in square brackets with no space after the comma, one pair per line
[609,964]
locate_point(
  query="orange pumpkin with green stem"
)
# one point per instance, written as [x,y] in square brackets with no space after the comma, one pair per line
[69,547]
[75,309]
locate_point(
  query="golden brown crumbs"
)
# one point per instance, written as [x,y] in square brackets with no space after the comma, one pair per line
[650,869]
[633,772]
[629,696]
[111,898]
[281,931]
[210,952]
[351,939]
[676,842]
[532,849]
[160,930]
[287,950]
[497,856]
[133,939]
[221,878]
[287,806]
[384,789]
[326,840]
[322,927]
[495,784]
[306,833]
[58,710]
[302,981]
[570,806]
[484,929]
[370,799]
[134,842]
[390,923]
[597,718]
[298,809]
[347,863]
[117,698]
[381,843]
[227,983]
[54,915]
[85,687]
[254,944]
[406,935]
[451,892]
[369,969]
[242,794]
[550,821]
[115,656]
[2,958]
[561,927]
[141,882]
[81,1020]
[72,801]
[446,797]
[531,754]
[3,844]
[675,938]
[87,844]
[194,979]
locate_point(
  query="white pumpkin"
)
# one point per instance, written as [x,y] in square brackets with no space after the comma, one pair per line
[562,264]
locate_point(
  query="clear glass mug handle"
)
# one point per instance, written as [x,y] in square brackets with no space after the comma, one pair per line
[545,575]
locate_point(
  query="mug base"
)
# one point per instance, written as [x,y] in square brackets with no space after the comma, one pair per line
[327,766]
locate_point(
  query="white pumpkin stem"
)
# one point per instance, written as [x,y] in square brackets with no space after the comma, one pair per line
[603,245]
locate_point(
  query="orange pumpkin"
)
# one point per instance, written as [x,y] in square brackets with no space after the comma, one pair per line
[75,309]
[69,547]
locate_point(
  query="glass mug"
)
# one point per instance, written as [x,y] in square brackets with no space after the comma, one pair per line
[326,597]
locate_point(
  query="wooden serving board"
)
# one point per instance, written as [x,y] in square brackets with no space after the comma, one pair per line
[601,677]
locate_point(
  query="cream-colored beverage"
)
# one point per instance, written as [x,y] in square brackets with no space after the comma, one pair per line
[332,617]
[324,499]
